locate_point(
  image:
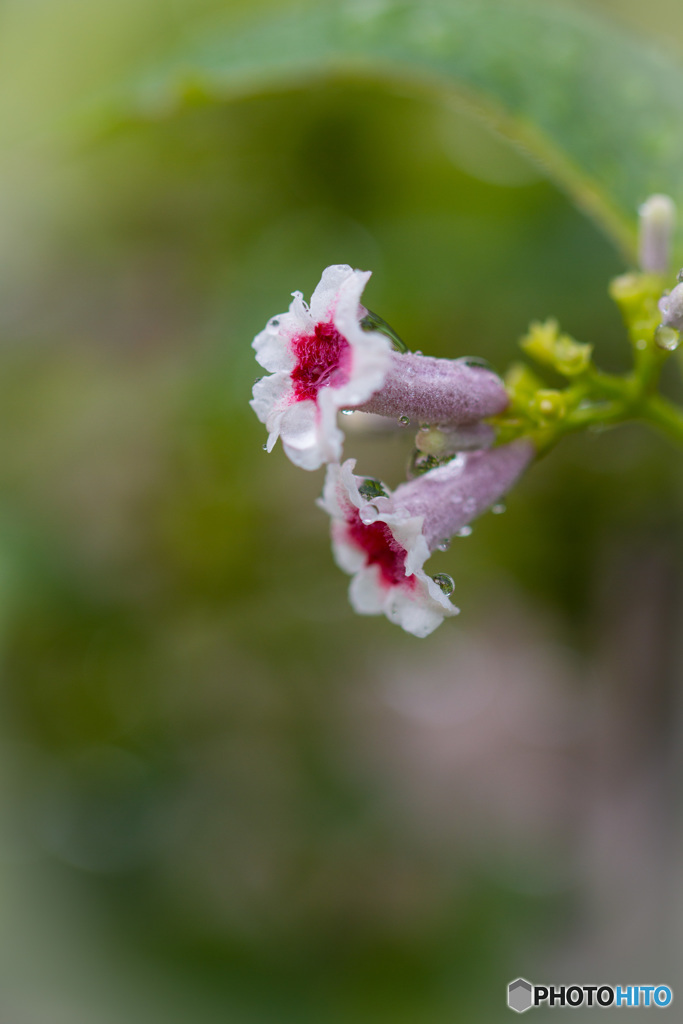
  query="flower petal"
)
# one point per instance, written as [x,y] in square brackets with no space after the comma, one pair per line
[325,298]
[366,593]
[272,350]
[271,398]
[417,612]
[348,557]
[307,441]
[338,492]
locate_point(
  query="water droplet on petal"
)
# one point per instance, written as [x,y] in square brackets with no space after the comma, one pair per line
[498,509]
[275,322]
[421,463]
[445,583]
[667,338]
[443,545]
[464,532]
[257,379]
[469,507]
[404,420]
[347,412]
[265,446]
[641,344]
[368,514]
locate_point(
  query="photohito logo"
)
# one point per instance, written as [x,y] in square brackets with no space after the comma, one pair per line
[522,995]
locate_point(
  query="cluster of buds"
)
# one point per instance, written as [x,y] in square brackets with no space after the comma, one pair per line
[334,355]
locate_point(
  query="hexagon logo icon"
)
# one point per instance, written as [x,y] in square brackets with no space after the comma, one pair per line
[520,996]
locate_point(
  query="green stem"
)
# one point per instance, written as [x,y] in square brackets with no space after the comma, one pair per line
[661,413]
[610,385]
[604,414]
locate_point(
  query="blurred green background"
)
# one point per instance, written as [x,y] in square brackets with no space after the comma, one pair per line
[224,797]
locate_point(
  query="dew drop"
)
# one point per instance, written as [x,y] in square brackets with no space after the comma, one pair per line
[347,412]
[265,446]
[464,532]
[421,463]
[368,514]
[257,380]
[469,507]
[371,488]
[498,509]
[443,545]
[641,344]
[445,583]
[275,322]
[679,276]
[475,361]
[404,420]
[667,338]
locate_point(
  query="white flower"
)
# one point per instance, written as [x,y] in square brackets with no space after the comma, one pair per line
[384,548]
[321,360]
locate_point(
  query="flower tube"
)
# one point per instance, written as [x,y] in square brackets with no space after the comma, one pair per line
[448,497]
[437,391]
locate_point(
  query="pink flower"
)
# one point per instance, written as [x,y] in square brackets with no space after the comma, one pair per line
[321,360]
[384,539]
[385,555]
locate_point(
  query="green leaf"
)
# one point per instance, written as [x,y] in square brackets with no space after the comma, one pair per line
[601,111]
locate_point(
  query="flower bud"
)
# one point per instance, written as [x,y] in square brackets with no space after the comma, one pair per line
[546,345]
[657,223]
[671,308]
[548,405]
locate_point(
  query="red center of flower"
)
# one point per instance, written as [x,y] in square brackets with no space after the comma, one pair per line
[381,548]
[322,358]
